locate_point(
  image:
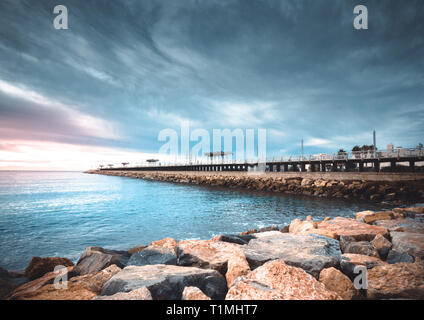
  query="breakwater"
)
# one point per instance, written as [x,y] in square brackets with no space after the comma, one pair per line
[390,188]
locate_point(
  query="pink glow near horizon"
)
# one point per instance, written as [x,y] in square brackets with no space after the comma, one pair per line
[41,155]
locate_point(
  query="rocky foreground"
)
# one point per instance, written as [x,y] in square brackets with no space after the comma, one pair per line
[305,260]
[387,189]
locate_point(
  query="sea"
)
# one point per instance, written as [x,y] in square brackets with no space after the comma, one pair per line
[59,214]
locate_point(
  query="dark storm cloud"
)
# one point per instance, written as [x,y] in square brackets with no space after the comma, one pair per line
[297,68]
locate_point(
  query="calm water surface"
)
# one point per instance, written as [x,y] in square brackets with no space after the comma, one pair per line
[61,213]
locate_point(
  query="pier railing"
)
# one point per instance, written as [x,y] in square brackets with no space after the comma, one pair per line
[349,159]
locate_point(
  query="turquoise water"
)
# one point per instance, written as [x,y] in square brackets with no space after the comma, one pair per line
[61,213]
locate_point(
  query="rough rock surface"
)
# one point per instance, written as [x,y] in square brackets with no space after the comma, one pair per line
[402,225]
[137,294]
[298,226]
[396,257]
[235,238]
[83,287]
[276,182]
[237,267]
[7,284]
[352,228]
[153,255]
[40,266]
[411,243]
[309,252]
[350,260]
[400,280]
[167,282]
[371,216]
[136,249]
[416,210]
[6,287]
[30,288]
[349,245]
[336,281]
[382,245]
[207,254]
[194,293]
[168,243]
[309,226]
[276,280]
[95,259]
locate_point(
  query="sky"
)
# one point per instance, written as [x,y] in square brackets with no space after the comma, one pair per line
[102,90]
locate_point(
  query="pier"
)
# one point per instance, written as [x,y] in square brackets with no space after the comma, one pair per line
[347,162]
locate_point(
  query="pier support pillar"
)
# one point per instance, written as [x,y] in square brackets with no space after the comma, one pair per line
[393,165]
[286,167]
[323,169]
[412,165]
[361,166]
[377,166]
[302,167]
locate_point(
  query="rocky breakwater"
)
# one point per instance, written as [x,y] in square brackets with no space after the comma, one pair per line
[308,260]
[395,192]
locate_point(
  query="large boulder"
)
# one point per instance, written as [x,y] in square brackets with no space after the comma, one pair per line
[207,254]
[167,282]
[29,289]
[298,226]
[309,226]
[335,280]
[235,238]
[137,294]
[400,280]
[168,243]
[95,259]
[136,249]
[411,243]
[237,267]
[396,257]
[7,284]
[360,231]
[194,293]
[153,255]
[84,287]
[350,260]
[371,216]
[276,280]
[309,252]
[402,225]
[349,245]
[162,251]
[40,266]
[382,245]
